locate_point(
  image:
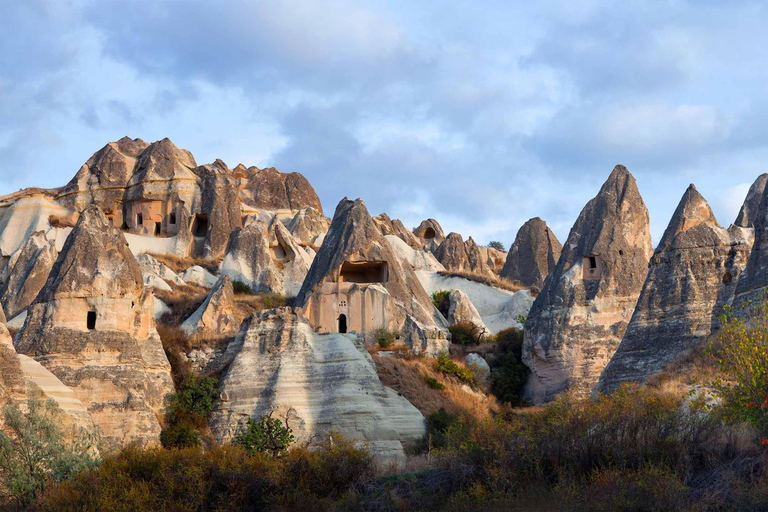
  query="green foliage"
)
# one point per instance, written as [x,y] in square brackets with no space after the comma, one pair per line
[34,450]
[441,301]
[182,434]
[521,319]
[240,287]
[495,244]
[272,300]
[742,357]
[445,365]
[466,333]
[438,424]
[433,383]
[269,436]
[384,337]
[194,401]
[508,373]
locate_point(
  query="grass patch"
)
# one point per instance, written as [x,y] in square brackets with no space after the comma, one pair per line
[179,264]
[500,283]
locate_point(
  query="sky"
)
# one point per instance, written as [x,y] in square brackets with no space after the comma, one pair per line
[480,115]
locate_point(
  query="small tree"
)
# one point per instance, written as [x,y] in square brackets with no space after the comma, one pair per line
[495,244]
[268,436]
[34,449]
[188,410]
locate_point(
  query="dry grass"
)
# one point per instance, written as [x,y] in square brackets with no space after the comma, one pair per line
[57,221]
[180,264]
[501,283]
[407,378]
[183,301]
[691,370]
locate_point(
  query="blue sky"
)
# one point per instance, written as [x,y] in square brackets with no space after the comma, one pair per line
[479,115]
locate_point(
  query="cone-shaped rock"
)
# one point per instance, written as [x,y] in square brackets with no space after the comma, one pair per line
[749,210]
[395,227]
[578,320]
[220,204]
[533,254]
[430,233]
[357,283]
[215,316]
[92,326]
[690,274]
[29,274]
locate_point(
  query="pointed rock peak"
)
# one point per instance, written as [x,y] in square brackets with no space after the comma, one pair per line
[693,210]
[748,212]
[240,168]
[619,180]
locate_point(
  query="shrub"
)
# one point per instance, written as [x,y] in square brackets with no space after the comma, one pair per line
[194,401]
[441,301]
[268,436]
[445,365]
[180,435]
[272,300]
[241,288]
[33,450]
[509,374]
[433,383]
[384,337]
[495,244]
[438,424]
[466,333]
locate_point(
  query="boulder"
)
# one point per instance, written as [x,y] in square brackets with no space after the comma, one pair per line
[480,366]
[149,265]
[92,326]
[690,277]
[215,316]
[533,254]
[31,266]
[578,320]
[315,382]
[199,276]
[357,282]
[462,311]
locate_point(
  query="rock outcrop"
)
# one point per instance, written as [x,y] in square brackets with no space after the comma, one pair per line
[533,254]
[308,227]
[13,384]
[220,204]
[318,382]
[753,282]
[270,189]
[431,234]
[31,266]
[692,273]
[578,320]
[248,258]
[92,326]
[462,311]
[215,316]
[357,282]
[750,209]
[418,259]
[456,255]
[395,227]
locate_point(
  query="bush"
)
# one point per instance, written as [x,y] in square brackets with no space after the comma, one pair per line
[441,301]
[272,300]
[269,436]
[433,383]
[438,424]
[445,365]
[180,435]
[384,337]
[508,373]
[466,333]
[495,244]
[241,288]
[194,401]
[34,452]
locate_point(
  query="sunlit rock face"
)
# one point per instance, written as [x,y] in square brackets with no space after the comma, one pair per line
[533,254]
[578,320]
[691,275]
[29,269]
[317,382]
[92,326]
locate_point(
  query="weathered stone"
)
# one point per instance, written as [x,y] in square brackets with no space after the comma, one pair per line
[418,259]
[750,209]
[461,311]
[215,316]
[219,201]
[431,234]
[308,227]
[269,189]
[290,259]
[395,227]
[356,282]
[458,256]
[579,318]
[30,271]
[24,217]
[13,385]
[199,276]
[533,254]
[149,265]
[480,366]
[248,258]
[318,382]
[753,282]
[92,326]
[692,272]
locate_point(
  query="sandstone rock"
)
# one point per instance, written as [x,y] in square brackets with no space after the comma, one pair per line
[199,276]
[215,316]
[480,365]
[149,265]
[430,231]
[458,256]
[750,209]
[290,259]
[356,282]
[24,217]
[582,312]
[13,385]
[395,227]
[92,327]
[269,189]
[33,263]
[462,310]
[308,227]
[248,258]
[154,282]
[319,382]
[418,259]
[494,259]
[753,282]
[219,202]
[691,270]
[533,254]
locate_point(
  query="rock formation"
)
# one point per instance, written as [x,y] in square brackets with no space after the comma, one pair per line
[308,227]
[149,265]
[753,282]
[418,259]
[269,189]
[319,382]
[579,318]
[220,204]
[431,234]
[456,255]
[31,266]
[533,254]
[215,316]
[248,258]
[691,274]
[749,210]
[92,326]
[13,384]
[356,282]
[395,227]
[461,311]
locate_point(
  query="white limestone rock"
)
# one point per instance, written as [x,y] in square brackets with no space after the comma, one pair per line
[462,311]
[480,366]
[199,276]
[417,259]
[215,316]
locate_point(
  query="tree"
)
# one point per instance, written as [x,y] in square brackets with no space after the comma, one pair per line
[495,244]
[268,436]
[189,410]
[35,449]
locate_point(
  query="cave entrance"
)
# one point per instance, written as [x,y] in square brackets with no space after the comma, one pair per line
[91,320]
[343,324]
[157,228]
[429,233]
[592,267]
[139,220]
[200,225]
[364,272]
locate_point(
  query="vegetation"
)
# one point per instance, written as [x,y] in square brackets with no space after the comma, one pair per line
[495,244]
[508,372]
[35,451]
[272,300]
[241,288]
[179,264]
[447,366]
[267,436]
[441,301]
[384,337]
[466,333]
[188,411]
[438,424]
[434,383]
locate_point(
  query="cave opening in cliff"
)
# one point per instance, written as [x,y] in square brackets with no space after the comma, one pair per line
[157,228]
[91,320]
[592,267]
[364,272]
[139,220]
[172,218]
[429,233]
[200,225]
[343,324]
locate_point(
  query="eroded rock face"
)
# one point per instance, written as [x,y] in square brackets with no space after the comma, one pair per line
[578,320]
[269,189]
[215,316]
[431,234]
[30,271]
[395,227]
[220,203]
[456,255]
[248,258]
[418,259]
[13,385]
[692,273]
[357,282]
[318,382]
[750,209]
[463,311]
[753,282]
[92,326]
[533,254]
[308,227]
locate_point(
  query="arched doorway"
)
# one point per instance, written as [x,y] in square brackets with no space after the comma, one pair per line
[342,324]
